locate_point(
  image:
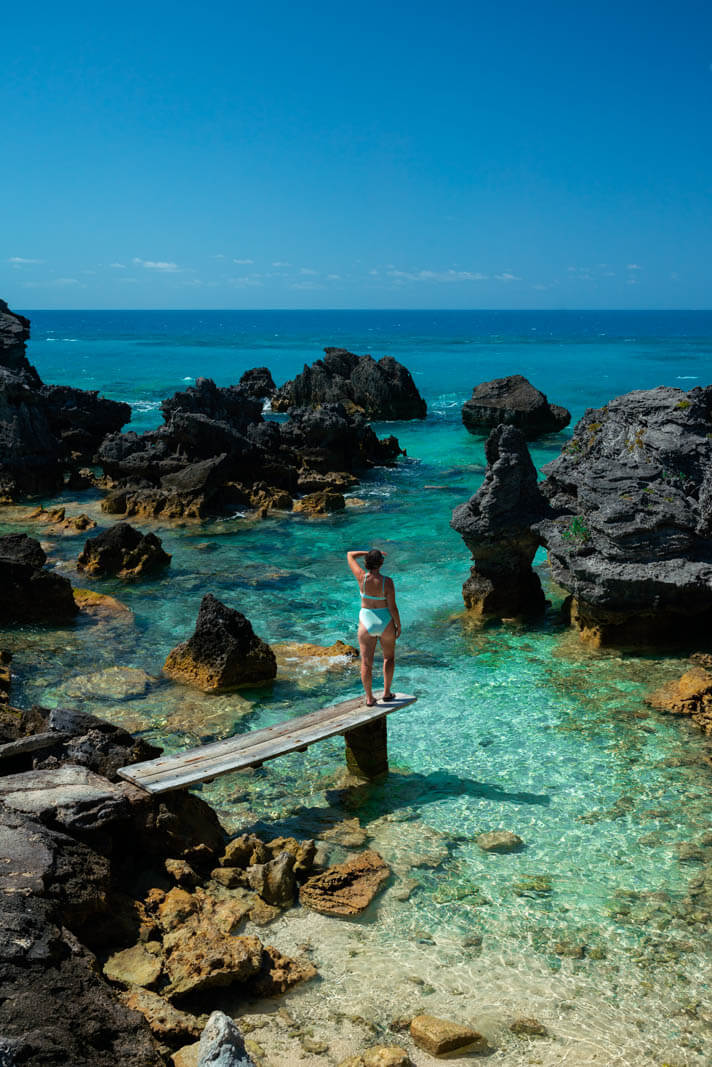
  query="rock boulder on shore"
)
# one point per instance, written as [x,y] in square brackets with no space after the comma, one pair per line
[512,401]
[223,653]
[123,552]
[382,389]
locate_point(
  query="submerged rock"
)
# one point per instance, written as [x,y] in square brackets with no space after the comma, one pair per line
[689,695]
[496,525]
[380,1056]
[123,552]
[381,390]
[348,888]
[28,592]
[440,1036]
[512,401]
[500,841]
[223,653]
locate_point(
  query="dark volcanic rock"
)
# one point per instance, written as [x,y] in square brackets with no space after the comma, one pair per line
[215,453]
[45,430]
[28,593]
[223,653]
[630,535]
[512,401]
[496,527]
[381,390]
[257,383]
[124,552]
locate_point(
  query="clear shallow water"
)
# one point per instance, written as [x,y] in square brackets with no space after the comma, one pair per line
[515,729]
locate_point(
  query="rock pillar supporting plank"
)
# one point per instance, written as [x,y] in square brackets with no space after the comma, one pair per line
[367,749]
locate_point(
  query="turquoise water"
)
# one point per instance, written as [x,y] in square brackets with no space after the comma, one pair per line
[515,728]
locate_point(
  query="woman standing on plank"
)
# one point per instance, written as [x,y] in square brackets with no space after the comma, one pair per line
[378,619]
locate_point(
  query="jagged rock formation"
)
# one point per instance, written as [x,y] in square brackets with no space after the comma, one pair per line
[223,653]
[380,390]
[124,552]
[496,527]
[45,430]
[215,453]
[79,849]
[349,887]
[625,513]
[512,401]
[28,592]
[257,383]
[630,535]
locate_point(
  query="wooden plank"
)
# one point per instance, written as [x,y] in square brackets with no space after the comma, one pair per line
[249,750]
[189,767]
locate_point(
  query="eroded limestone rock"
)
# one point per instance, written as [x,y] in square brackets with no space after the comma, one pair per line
[496,525]
[349,887]
[440,1036]
[223,653]
[512,401]
[123,552]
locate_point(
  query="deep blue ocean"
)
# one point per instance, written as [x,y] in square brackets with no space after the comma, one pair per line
[515,728]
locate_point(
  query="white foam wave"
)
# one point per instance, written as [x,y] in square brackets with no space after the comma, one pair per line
[687,377]
[145,405]
[189,379]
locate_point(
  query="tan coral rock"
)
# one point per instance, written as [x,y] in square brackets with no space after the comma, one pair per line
[440,1036]
[528,1027]
[262,913]
[303,852]
[380,1056]
[348,888]
[323,502]
[243,851]
[177,906]
[167,1023]
[689,695]
[500,841]
[182,873]
[137,965]
[275,881]
[198,956]
[99,604]
[187,1056]
[279,973]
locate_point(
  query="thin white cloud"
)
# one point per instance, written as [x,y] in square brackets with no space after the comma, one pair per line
[434,275]
[219,256]
[22,261]
[55,283]
[243,262]
[507,277]
[633,266]
[166,267]
[118,266]
[308,286]
[281,263]
[246,281]
[333,277]
[308,270]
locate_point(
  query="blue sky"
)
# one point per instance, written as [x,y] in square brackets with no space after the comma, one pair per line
[450,154]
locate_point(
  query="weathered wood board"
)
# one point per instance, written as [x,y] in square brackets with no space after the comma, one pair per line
[209,761]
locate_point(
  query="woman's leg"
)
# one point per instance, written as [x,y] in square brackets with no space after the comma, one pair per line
[388,644]
[367,644]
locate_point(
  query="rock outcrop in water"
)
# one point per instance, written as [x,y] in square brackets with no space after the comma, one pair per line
[46,431]
[496,525]
[382,389]
[216,453]
[512,401]
[630,534]
[223,653]
[28,592]
[625,513]
[257,383]
[123,552]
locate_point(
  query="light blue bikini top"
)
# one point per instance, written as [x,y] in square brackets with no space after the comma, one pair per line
[367,596]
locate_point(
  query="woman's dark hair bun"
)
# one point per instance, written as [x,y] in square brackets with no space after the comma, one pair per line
[374,559]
